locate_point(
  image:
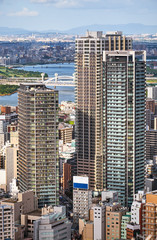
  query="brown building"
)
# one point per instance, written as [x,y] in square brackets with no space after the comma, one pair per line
[12,127]
[114,215]
[132,230]
[66,175]
[65,133]
[151,144]
[5,109]
[2,161]
[150,104]
[149,220]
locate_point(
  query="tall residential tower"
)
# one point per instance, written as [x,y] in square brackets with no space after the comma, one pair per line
[124,122]
[89,101]
[38,142]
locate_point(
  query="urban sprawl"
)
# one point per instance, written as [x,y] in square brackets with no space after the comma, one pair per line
[85,170]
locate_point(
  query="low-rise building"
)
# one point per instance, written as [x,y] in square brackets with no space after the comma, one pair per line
[125,220]
[65,133]
[86,229]
[52,226]
[149,216]
[132,230]
[6,222]
[114,213]
[99,222]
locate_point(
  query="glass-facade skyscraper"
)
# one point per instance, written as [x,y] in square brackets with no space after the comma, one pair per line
[38,167]
[124,122]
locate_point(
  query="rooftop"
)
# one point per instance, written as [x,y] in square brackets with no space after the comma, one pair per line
[35,213]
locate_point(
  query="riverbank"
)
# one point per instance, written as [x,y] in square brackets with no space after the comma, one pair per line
[7,94]
[6,72]
[65,93]
[6,90]
[34,64]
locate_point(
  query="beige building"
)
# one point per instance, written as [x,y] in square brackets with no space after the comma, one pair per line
[86,229]
[11,164]
[28,221]
[6,222]
[14,138]
[114,215]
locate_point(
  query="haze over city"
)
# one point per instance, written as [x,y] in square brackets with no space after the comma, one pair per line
[78,119]
[66,14]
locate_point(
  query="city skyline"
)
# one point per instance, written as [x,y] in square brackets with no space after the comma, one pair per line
[49,14]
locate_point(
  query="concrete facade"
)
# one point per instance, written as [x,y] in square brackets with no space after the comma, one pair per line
[53,226]
[6,222]
[38,142]
[99,222]
[82,200]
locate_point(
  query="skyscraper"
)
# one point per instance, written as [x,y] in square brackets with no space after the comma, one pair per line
[124,122]
[38,142]
[89,101]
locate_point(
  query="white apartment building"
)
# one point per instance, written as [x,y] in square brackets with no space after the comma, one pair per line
[152,92]
[99,222]
[136,208]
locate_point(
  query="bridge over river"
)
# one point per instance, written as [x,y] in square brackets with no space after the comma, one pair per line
[68,81]
[56,81]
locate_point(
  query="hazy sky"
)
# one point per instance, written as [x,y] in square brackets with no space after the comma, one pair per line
[66,14]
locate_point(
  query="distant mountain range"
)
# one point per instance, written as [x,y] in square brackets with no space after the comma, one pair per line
[13,31]
[131,28]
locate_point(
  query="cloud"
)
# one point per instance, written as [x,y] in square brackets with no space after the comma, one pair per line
[96,4]
[24,13]
[84,3]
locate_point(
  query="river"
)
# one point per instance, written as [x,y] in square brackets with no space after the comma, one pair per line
[65,93]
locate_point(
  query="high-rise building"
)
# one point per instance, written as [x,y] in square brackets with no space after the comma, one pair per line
[124,122]
[89,101]
[38,142]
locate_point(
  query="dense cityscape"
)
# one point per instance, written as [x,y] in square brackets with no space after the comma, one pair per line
[85,169]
